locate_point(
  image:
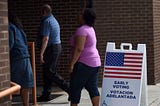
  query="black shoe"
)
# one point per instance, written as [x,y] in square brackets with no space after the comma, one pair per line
[43,98]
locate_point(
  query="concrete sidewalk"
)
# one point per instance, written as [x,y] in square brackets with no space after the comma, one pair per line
[154,95]
[153,98]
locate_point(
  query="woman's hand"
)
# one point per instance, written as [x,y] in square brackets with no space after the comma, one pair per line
[41,58]
[71,68]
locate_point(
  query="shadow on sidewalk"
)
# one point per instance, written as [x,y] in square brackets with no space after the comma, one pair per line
[17,101]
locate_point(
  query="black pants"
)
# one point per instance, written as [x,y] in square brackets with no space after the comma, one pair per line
[50,75]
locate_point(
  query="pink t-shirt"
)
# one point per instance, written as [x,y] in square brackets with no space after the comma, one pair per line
[89,55]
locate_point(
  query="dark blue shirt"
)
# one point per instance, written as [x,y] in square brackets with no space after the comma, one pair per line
[18,43]
[49,27]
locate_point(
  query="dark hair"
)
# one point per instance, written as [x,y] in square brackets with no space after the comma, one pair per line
[46,8]
[89,16]
[14,20]
[89,4]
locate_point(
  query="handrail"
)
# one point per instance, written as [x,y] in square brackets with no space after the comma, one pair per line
[14,88]
[34,91]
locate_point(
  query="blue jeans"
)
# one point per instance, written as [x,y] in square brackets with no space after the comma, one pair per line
[83,76]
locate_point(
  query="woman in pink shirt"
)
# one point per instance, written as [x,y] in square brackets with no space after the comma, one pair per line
[85,60]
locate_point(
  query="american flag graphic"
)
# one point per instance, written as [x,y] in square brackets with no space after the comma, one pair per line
[123,65]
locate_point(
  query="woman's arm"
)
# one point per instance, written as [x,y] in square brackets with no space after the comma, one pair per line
[79,46]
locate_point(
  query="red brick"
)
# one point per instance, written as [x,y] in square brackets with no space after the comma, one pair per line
[4,13]
[4,54]
[3,6]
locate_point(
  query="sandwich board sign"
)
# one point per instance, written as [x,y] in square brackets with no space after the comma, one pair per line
[124,77]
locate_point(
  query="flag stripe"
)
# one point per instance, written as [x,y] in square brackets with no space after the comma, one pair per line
[122,73]
[124,77]
[139,54]
[132,61]
[128,69]
[133,65]
[132,57]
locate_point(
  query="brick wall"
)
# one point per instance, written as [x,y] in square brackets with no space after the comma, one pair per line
[4,53]
[117,21]
[126,21]
[156,20]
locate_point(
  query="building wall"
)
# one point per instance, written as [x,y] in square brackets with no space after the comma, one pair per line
[4,52]
[127,21]
[156,22]
[119,21]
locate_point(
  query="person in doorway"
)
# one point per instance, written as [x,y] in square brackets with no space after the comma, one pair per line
[50,50]
[85,60]
[20,66]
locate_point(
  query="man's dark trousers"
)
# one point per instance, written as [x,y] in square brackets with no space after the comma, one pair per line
[50,75]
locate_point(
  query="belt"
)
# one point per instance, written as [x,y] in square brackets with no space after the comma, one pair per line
[52,45]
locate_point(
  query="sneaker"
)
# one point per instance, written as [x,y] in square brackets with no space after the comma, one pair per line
[43,98]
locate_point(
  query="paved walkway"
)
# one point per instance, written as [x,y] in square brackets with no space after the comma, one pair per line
[153,98]
[154,95]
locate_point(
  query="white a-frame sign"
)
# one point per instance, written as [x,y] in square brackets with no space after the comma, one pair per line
[124,77]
